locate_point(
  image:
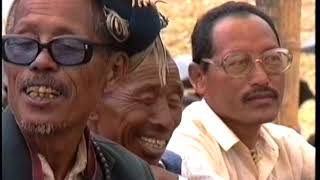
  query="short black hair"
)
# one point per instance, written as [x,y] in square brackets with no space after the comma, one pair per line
[202,46]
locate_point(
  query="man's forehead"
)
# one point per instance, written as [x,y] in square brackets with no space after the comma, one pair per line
[224,24]
[52,7]
[249,27]
[149,70]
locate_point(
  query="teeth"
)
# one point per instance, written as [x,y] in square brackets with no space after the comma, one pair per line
[42,89]
[33,94]
[42,92]
[155,143]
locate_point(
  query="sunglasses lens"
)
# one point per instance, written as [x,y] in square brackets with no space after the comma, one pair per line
[19,50]
[68,51]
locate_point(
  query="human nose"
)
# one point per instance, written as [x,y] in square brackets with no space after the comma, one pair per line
[259,76]
[44,62]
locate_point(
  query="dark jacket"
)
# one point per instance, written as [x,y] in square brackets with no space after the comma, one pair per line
[17,165]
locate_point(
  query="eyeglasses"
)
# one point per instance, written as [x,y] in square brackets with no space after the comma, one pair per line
[65,51]
[274,61]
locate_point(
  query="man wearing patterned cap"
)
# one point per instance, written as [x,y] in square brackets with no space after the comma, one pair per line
[141,110]
[58,57]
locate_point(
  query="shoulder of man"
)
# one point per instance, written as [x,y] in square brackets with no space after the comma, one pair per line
[280,131]
[290,140]
[295,148]
[126,164]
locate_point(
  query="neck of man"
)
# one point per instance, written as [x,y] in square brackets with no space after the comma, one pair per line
[59,149]
[248,134]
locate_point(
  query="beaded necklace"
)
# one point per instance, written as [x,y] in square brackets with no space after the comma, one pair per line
[102,160]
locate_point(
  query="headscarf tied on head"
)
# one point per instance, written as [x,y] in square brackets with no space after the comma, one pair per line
[138,30]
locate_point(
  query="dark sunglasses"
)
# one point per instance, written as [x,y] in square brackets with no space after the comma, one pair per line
[65,51]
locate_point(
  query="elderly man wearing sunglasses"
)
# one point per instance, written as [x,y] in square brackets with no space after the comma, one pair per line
[58,57]
[238,67]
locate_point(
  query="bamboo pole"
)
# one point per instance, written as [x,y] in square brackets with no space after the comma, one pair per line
[286,16]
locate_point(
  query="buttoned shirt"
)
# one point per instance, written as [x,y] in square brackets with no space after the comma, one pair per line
[203,137]
[75,172]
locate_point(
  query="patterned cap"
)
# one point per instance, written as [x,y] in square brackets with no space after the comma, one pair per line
[135,27]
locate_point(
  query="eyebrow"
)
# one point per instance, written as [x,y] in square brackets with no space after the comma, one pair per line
[176,88]
[31,26]
[181,90]
[63,30]
[154,87]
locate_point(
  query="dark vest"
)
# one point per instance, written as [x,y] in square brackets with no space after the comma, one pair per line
[17,165]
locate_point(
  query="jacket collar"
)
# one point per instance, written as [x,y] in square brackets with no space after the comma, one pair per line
[15,154]
[21,163]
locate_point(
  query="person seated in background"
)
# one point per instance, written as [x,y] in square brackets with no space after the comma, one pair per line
[311,139]
[189,95]
[141,110]
[239,67]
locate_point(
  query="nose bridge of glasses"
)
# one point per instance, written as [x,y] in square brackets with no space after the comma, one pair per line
[45,48]
[258,65]
[258,60]
[44,60]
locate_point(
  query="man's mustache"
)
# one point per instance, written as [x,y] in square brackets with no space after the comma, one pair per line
[260,92]
[45,79]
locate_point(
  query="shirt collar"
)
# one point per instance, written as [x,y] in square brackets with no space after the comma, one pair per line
[78,167]
[224,135]
[266,139]
[216,127]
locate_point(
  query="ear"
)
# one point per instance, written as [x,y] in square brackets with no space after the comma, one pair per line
[119,66]
[197,78]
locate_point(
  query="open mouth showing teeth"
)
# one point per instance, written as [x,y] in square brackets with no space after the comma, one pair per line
[42,92]
[153,142]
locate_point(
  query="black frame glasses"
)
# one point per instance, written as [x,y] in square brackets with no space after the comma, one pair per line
[64,50]
[240,64]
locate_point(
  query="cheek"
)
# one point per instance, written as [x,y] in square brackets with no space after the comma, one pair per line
[129,113]
[224,92]
[87,86]
[132,121]
[278,83]
[15,77]
[217,86]
[109,127]
[176,115]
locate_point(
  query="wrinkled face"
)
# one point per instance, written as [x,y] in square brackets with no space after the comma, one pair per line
[44,96]
[249,100]
[144,114]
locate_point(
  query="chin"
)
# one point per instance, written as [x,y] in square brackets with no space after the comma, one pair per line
[43,128]
[265,117]
[152,161]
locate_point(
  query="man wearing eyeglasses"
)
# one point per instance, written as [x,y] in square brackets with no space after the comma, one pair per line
[58,57]
[238,67]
